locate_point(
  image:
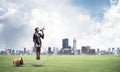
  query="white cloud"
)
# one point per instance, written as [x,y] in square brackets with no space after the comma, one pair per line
[61,19]
[60,22]
[109,35]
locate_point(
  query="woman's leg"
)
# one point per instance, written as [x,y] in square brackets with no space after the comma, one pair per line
[36,53]
[38,49]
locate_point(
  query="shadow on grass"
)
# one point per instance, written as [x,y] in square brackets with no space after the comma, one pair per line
[18,66]
[38,65]
[31,65]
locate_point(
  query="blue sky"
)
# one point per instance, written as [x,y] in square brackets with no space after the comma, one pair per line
[94,7]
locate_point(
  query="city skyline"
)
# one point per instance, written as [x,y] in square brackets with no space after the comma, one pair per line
[92,23]
[66,49]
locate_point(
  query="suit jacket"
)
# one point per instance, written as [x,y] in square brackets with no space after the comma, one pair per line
[37,38]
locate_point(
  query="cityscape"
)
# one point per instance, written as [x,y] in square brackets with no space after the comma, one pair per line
[59,35]
[65,50]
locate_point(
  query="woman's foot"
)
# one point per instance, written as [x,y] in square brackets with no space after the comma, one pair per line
[38,58]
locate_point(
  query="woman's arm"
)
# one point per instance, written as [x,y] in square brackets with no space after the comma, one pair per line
[34,38]
[42,35]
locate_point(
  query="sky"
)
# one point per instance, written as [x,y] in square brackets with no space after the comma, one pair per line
[92,23]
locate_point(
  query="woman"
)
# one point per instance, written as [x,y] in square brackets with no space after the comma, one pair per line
[37,41]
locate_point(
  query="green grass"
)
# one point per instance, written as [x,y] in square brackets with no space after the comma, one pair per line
[63,64]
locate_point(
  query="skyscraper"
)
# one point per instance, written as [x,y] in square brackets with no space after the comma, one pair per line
[74,45]
[65,43]
[118,50]
[113,50]
[85,49]
[98,51]
[24,50]
[49,50]
[109,51]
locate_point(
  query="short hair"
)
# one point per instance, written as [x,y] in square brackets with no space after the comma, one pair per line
[36,28]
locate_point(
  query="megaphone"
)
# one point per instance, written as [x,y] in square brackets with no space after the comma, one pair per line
[42,29]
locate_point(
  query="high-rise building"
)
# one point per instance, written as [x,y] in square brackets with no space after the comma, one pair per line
[65,43]
[49,50]
[24,50]
[74,45]
[118,50]
[8,51]
[85,49]
[98,51]
[78,51]
[92,52]
[13,52]
[113,50]
[109,51]
[55,50]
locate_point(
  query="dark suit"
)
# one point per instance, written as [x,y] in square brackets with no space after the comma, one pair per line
[37,38]
[37,42]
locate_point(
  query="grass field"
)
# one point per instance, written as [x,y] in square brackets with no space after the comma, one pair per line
[63,64]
